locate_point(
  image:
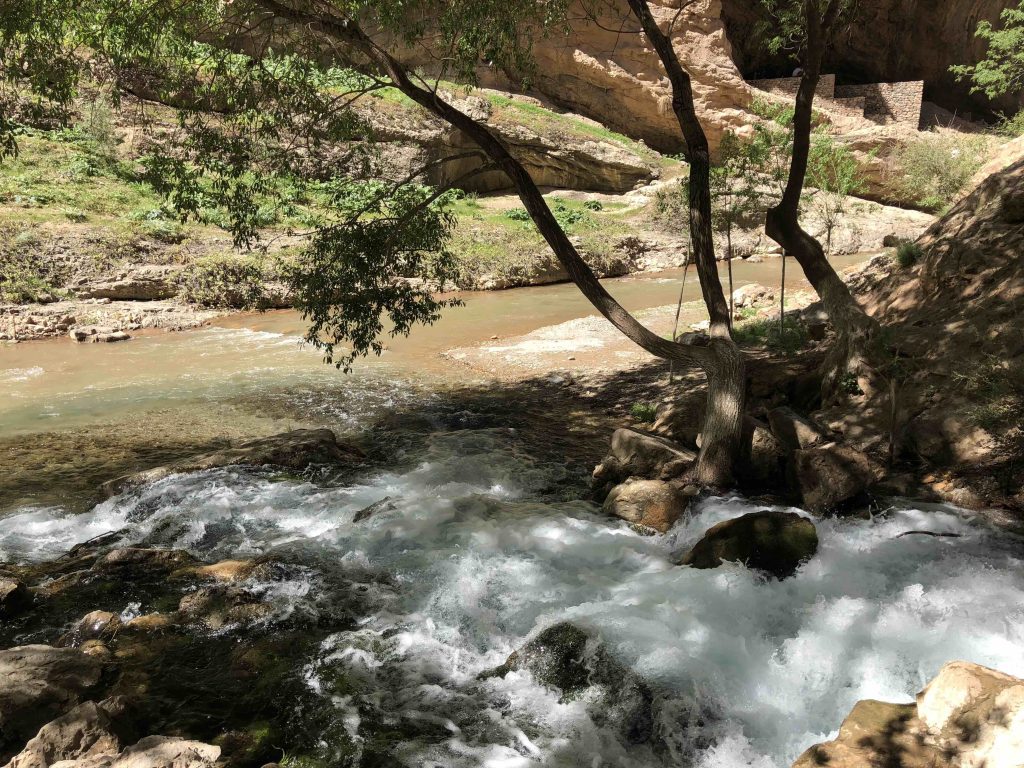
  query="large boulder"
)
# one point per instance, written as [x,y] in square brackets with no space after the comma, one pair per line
[830,475]
[975,713]
[653,504]
[640,454]
[294,450]
[968,716]
[144,282]
[37,683]
[770,541]
[86,731]
[796,431]
[573,661]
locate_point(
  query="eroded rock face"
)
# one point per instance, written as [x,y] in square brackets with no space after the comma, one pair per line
[774,542]
[573,661]
[294,450]
[37,683]
[144,282]
[653,504]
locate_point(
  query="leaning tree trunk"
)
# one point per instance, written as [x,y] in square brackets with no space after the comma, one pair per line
[856,330]
[721,359]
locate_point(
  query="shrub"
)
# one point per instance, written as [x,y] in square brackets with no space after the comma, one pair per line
[517,214]
[24,278]
[165,231]
[1011,127]
[764,332]
[934,169]
[672,207]
[593,205]
[224,280]
[908,254]
[643,412]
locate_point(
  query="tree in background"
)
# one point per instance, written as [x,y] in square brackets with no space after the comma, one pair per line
[279,112]
[1002,70]
[733,194]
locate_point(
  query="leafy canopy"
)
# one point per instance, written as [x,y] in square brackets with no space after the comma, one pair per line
[1002,70]
[268,109]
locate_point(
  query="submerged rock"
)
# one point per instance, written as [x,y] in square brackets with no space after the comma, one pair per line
[770,541]
[829,475]
[568,658]
[968,716]
[38,682]
[655,504]
[294,450]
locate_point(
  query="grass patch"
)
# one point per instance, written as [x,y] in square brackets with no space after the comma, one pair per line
[908,254]
[935,168]
[765,332]
[644,412]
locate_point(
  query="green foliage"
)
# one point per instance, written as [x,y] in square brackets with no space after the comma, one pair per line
[672,206]
[834,172]
[25,277]
[734,185]
[908,254]
[764,332]
[593,205]
[935,168]
[1011,127]
[1002,70]
[223,281]
[783,27]
[644,412]
[517,214]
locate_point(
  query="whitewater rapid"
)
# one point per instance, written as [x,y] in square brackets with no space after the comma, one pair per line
[474,555]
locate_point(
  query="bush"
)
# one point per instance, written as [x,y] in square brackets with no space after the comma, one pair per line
[1011,127]
[643,412]
[165,231]
[224,280]
[908,254]
[672,207]
[764,332]
[593,205]
[517,214]
[936,168]
[25,279]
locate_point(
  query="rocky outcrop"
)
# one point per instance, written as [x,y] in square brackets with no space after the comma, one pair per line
[774,542]
[14,597]
[37,683]
[294,450]
[830,475]
[143,282]
[635,453]
[152,752]
[796,431]
[86,731]
[573,661]
[969,716]
[654,504]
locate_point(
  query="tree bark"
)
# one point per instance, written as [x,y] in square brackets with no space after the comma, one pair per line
[721,359]
[855,329]
[726,372]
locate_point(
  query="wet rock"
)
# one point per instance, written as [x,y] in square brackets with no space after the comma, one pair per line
[153,752]
[384,505]
[573,661]
[218,606]
[827,476]
[111,337]
[796,431]
[85,731]
[294,450]
[92,626]
[37,683]
[150,622]
[642,455]
[975,713]
[14,597]
[226,571]
[770,541]
[655,504]
[144,558]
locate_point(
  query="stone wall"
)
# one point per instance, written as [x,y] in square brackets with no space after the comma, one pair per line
[888,102]
[788,86]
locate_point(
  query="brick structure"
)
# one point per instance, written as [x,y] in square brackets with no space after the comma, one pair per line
[881,102]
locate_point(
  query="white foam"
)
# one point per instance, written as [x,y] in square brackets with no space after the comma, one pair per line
[478,564]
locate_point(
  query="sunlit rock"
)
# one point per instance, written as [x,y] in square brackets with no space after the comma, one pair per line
[654,504]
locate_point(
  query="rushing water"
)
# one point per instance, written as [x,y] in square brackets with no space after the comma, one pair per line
[482,547]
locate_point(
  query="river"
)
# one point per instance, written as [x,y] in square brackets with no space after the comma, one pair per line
[487,541]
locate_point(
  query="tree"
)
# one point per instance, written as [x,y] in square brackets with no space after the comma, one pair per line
[807,25]
[1002,70]
[733,194]
[834,173]
[277,111]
